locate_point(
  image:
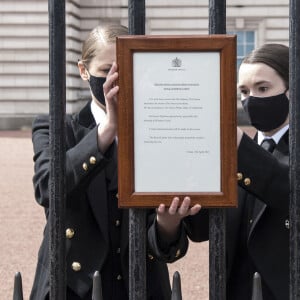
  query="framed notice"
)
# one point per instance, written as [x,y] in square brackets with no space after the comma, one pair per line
[177,120]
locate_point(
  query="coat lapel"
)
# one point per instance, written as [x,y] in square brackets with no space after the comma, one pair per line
[97,191]
[85,117]
[258,210]
[83,123]
[97,195]
[281,152]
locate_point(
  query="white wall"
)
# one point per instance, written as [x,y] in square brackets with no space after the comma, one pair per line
[24,42]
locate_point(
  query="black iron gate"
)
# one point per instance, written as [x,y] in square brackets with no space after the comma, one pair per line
[294,88]
[57,110]
[137,217]
[217,268]
[137,231]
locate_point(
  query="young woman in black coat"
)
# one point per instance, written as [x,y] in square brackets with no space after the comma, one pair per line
[257,232]
[96,230]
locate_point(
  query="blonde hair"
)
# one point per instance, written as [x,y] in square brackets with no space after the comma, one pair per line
[100,36]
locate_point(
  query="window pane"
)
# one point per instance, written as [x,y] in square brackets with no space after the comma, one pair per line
[249,48]
[245,44]
[240,50]
[240,37]
[250,36]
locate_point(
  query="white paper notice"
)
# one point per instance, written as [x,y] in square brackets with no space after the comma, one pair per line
[177,121]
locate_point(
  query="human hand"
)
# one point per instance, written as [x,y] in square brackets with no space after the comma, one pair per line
[168,219]
[107,131]
[110,90]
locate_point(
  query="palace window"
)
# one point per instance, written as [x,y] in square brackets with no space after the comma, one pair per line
[245,44]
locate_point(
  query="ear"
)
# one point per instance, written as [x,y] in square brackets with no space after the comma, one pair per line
[83,71]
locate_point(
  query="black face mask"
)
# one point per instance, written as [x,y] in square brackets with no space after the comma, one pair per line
[267,113]
[96,84]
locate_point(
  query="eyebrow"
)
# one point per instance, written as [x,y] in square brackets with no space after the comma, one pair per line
[256,84]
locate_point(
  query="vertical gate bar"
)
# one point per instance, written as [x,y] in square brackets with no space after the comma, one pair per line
[217,16]
[57,104]
[136,16]
[97,287]
[294,94]
[18,287]
[137,254]
[217,267]
[137,217]
[176,287]
[256,287]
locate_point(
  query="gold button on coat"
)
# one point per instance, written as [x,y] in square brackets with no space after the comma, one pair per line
[69,233]
[150,257]
[85,166]
[118,223]
[92,160]
[76,266]
[287,224]
[119,277]
[239,176]
[178,252]
[247,181]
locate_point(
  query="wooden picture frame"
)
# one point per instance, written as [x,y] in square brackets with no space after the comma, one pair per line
[177,120]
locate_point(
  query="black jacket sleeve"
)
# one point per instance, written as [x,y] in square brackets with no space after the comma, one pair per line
[259,173]
[263,175]
[83,158]
[167,252]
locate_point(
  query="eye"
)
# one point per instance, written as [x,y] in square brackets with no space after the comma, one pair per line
[244,92]
[262,89]
[105,71]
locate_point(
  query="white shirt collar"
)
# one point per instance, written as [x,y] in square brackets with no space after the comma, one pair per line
[276,137]
[97,112]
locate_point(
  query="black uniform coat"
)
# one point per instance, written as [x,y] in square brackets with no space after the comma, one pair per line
[87,238]
[265,179]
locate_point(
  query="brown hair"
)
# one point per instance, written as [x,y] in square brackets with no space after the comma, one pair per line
[99,36]
[275,56]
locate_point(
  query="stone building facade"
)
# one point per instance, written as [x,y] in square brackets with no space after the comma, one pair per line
[24,45]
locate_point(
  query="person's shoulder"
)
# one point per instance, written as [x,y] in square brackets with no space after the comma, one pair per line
[46,118]
[40,120]
[41,117]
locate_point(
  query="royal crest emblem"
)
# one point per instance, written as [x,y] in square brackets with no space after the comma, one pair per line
[176,62]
